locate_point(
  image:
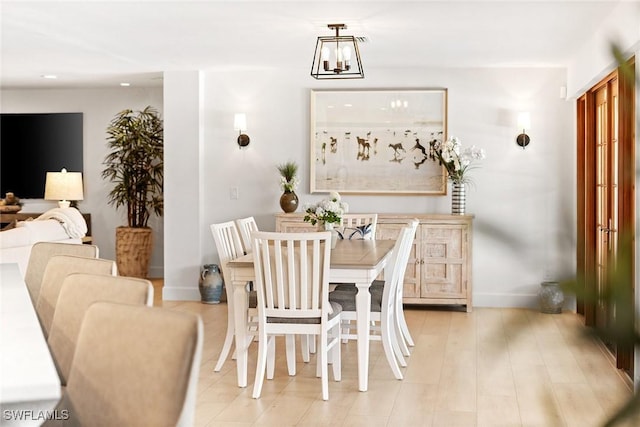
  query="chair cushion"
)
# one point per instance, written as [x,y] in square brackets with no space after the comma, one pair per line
[376,285]
[347,287]
[348,300]
[337,309]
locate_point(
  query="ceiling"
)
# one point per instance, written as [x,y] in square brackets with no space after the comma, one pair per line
[102,43]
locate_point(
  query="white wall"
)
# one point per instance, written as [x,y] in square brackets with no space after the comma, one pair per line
[595,60]
[524,200]
[99,107]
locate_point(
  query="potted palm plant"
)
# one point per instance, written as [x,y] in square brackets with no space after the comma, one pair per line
[135,166]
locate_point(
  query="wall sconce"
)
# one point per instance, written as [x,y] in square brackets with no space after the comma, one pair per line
[524,123]
[63,186]
[240,124]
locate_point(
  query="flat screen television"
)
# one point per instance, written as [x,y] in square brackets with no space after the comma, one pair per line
[32,145]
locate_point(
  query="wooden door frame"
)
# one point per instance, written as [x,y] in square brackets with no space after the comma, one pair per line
[586,192]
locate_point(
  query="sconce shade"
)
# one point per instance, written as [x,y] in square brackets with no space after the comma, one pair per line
[240,121]
[333,57]
[240,124]
[524,121]
[63,186]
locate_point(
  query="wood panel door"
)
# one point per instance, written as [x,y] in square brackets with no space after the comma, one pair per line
[606,208]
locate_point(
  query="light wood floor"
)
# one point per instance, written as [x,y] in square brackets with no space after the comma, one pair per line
[491,367]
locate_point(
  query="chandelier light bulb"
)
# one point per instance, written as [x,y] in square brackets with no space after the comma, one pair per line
[346,54]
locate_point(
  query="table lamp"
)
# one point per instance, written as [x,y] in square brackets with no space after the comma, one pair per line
[63,186]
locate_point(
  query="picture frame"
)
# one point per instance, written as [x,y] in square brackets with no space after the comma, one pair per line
[377,141]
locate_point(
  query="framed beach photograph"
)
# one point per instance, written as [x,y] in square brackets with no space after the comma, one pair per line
[377,141]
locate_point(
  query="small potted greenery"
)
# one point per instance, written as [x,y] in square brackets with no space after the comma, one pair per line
[289,183]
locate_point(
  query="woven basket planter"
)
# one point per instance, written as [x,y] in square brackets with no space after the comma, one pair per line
[133,251]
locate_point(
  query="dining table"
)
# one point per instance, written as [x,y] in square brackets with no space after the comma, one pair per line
[352,261]
[29,382]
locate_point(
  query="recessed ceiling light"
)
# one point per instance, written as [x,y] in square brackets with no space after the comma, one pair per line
[49,76]
[125,84]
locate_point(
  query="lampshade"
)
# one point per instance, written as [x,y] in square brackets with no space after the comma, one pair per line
[240,121]
[240,124]
[524,121]
[63,186]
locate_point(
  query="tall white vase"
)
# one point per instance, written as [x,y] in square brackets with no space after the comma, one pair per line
[328,226]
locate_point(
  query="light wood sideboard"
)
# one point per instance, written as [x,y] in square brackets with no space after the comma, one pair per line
[439,269]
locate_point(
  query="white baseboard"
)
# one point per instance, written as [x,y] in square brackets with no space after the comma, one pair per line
[499,300]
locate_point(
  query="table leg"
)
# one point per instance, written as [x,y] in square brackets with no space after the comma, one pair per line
[363,306]
[240,320]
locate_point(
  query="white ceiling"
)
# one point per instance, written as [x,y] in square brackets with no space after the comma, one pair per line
[98,43]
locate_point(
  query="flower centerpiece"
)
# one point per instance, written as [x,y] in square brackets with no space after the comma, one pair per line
[288,183]
[458,162]
[327,212]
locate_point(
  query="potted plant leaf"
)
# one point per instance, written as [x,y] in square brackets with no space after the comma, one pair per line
[135,167]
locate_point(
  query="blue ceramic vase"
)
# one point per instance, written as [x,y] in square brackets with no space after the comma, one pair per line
[210,284]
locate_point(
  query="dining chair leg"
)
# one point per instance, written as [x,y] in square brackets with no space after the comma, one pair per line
[324,366]
[396,344]
[304,347]
[387,345]
[312,343]
[226,348]
[290,340]
[402,343]
[403,325]
[271,358]
[336,357]
[261,363]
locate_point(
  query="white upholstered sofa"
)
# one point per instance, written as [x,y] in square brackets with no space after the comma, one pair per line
[65,225]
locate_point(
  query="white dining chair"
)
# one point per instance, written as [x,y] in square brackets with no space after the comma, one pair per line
[292,280]
[355,226]
[133,366]
[39,257]
[57,269]
[77,293]
[229,246]
[405,340]
[384,305]
[245,227]
[359,226]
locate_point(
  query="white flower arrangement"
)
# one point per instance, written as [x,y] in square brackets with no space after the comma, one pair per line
[289,185]
[327,211]
[456,161]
